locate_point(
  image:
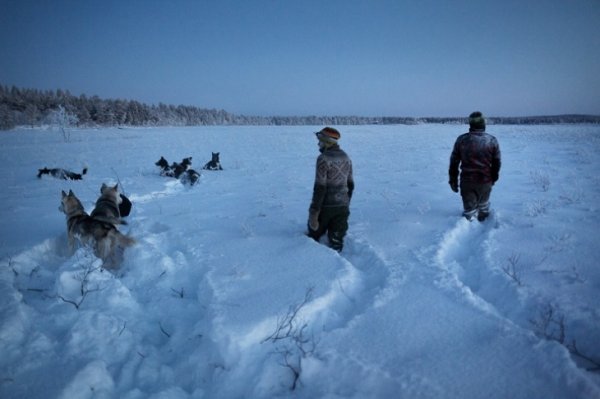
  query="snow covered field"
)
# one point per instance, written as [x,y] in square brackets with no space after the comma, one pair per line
[224,297]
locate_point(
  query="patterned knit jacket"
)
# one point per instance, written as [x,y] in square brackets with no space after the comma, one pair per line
[478,155]
[334,182]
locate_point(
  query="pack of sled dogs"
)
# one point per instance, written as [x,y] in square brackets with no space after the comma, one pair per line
[183,170]
[97,230]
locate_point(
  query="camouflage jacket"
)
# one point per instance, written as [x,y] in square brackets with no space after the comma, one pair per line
[478,155]
[334,182]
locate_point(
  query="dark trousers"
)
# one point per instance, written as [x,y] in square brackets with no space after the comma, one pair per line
[476,199]
[334,222]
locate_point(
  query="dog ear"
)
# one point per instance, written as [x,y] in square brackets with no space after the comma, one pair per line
[71,193]
[102,188]
[64,194]
[116,187]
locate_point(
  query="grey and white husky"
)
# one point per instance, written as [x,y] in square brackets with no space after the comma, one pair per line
[107,242]
[107,205]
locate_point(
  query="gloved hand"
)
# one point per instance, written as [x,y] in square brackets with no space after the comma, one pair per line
[454,185]
[313,219]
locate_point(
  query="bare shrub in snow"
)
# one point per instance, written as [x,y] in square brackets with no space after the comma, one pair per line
[536,208]
[540,179]
[62,120]
[572,274]
[571,197]
[550,325]
[84,288]
[292,340]
[514,269]
[559,243]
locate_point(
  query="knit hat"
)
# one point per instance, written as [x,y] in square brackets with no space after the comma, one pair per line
[328,135]
[477,121]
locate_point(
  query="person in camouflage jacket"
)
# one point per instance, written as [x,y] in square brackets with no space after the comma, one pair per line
[477,153]
[330,206]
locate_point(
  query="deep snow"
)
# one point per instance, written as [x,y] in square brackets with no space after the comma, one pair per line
[420,304]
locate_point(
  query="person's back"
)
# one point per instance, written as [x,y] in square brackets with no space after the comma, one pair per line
[477,154]
[334,171]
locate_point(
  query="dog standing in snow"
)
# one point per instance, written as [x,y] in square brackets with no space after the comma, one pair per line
[107,205]
[106,241]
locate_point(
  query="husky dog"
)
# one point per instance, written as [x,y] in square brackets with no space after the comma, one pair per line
[107,205]
[179,168]
[165,169]
[103,237]
[175,169]
[190,177]
[214,163]
[61,173]
[180,171]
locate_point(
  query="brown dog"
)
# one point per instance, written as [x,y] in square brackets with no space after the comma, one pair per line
[102,236]
[107,205]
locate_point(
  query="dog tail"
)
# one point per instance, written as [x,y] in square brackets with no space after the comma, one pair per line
[122,240]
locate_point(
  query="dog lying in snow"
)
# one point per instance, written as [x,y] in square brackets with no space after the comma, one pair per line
[180,171]
[165,169]
[180,168]
[190,177]
[214,163]
[175,169]
[61,173]
[103,237]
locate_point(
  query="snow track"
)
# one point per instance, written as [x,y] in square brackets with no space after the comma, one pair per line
[360,287]
[461,257]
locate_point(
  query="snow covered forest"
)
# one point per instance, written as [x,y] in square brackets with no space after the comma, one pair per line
[34,108]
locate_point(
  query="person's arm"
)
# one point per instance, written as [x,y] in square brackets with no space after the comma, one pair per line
[320,186]
[350,182]
[496,163]
[453,168]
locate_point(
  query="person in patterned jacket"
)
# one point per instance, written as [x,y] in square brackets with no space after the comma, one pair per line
[330,206]
[478,155]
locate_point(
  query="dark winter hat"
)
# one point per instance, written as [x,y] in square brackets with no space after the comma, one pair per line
[328,135]
[477,121]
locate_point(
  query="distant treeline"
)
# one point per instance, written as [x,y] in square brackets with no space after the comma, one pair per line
[32,107]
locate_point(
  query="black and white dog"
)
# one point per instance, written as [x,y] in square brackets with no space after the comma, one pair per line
[214,163]
[165,169]
[61,173]
[181,171]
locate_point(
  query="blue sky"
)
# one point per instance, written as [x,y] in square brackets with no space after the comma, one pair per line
[342,57]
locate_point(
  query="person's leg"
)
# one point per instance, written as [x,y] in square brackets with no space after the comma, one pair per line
[338,226]
[469,197]
[483,206]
